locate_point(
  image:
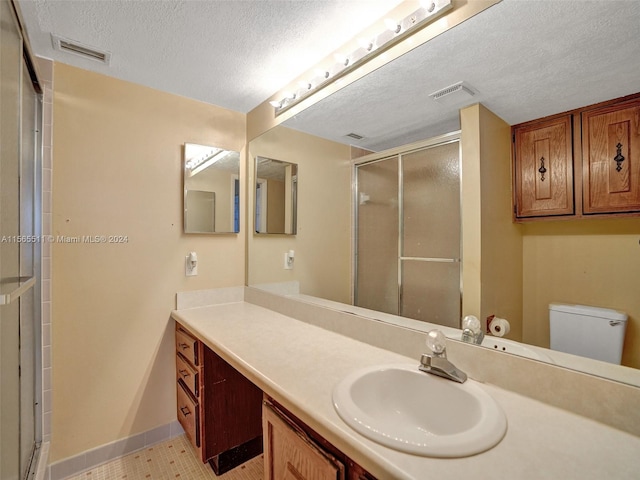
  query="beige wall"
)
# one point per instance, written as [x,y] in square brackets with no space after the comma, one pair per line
[589,262]
[322,245]
[118,171]
[491,243]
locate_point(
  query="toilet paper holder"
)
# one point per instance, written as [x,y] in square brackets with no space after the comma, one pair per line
[498,327]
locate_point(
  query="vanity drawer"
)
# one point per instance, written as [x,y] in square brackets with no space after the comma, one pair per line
[188,374]
[188,415]
[188,347]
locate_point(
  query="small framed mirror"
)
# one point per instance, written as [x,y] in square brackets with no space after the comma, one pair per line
[211,189]
[276,196]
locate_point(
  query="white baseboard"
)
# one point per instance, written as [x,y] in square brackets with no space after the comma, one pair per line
[92,458]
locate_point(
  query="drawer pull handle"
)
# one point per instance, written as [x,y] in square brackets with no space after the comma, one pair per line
[184,346]
[184,373]
[185,413]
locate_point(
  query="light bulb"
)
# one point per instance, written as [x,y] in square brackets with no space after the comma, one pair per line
[366,44]
[428,5]
[341,58]
[392,25]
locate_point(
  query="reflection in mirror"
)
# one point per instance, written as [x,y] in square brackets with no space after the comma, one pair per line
[276,196]
[519,78]
[211,189]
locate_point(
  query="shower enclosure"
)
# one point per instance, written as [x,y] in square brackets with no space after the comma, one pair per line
[20,236]
[407,259]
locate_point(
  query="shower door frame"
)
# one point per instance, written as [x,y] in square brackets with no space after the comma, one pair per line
[398,152]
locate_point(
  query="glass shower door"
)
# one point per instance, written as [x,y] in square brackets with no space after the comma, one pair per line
[19,295]
[377,237]
[407,259]
[430,260]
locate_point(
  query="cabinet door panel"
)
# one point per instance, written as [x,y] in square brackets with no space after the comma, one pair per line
[611,167]
[289,455]
[544,168]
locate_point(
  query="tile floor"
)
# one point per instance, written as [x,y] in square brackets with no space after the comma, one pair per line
[172,459]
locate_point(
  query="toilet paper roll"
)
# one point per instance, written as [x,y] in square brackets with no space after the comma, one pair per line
[499,327]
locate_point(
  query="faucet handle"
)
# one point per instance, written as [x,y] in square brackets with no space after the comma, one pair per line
[437,343]
[472,323]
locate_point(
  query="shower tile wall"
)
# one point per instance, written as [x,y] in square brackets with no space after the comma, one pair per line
[46,75]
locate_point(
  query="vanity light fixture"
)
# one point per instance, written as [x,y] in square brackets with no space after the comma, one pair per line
[196,164]
[367,49]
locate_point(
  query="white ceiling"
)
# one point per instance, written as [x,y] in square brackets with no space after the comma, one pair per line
[230,53]
[526,59]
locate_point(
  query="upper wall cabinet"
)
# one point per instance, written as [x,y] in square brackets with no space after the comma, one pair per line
[578,164]
[611,167]
[544,173]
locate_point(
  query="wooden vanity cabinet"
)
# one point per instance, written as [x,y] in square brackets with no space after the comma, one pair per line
[611,163]
[219,409]
[293,451]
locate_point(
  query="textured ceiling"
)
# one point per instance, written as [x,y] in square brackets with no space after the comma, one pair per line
[234,53]
[526,59]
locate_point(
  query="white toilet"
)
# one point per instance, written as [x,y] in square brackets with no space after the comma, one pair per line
[587,331]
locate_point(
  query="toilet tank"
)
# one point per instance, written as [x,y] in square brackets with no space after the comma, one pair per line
[591,332]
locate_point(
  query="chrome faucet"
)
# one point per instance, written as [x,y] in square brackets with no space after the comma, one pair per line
[472,330]
[437,363]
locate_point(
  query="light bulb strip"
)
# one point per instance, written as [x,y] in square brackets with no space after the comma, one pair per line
[367,51]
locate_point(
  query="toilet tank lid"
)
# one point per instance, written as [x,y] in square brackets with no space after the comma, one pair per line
[605,313]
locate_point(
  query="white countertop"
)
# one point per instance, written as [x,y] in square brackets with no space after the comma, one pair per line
[298,364]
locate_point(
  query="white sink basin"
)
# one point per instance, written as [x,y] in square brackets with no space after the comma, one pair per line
[415,412]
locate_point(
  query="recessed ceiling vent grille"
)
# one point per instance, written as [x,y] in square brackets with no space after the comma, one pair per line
[71,46]
[354,136]
[453,94]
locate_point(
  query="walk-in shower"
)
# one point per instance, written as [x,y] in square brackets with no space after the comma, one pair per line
[408,249]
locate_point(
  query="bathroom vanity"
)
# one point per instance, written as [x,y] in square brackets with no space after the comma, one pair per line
[297,365]
[208,388]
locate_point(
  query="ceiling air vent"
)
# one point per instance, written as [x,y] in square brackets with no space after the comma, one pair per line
[453,94]
[354,136]
[71,46]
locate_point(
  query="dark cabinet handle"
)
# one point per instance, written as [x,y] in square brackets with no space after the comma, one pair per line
[184,373]
[184,346]
[542,170]
[185,413]
[619,158]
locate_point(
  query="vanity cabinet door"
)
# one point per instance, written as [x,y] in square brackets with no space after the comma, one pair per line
[611,163]
[290,455]
[543,168]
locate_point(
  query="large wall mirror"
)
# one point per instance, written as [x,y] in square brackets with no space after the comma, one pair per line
[211,189]
[276,196]
[522,61]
